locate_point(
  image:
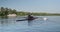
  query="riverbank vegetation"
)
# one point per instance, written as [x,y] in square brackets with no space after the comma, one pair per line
[6,11]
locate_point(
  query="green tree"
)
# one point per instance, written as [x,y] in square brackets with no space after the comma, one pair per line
[2,11]
[6,11]
[14,11]
[10,11]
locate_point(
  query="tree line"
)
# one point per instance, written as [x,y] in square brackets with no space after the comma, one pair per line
[6,11]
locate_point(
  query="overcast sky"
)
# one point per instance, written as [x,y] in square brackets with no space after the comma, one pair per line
[52,6]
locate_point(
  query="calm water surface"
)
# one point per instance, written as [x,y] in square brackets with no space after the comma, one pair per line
[38,25]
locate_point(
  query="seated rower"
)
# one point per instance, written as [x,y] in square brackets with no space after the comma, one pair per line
[30,17]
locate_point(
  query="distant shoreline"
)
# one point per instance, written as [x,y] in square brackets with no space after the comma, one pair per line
[13,12]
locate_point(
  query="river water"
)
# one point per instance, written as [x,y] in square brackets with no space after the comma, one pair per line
[38,25]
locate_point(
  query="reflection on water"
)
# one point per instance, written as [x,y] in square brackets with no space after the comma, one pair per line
[3,20]
[9,24]
[30,22]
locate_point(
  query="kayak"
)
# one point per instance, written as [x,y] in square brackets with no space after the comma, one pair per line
[27,19]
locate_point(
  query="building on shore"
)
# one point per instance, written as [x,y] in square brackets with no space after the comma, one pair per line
[12,15]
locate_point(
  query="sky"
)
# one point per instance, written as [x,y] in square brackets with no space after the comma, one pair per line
[50,6]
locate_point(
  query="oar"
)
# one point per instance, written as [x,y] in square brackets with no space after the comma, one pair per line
[21,20]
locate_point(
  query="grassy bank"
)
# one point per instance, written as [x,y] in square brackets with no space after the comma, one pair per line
[37,14]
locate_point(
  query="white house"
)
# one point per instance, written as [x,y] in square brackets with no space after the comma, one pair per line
[12,15]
